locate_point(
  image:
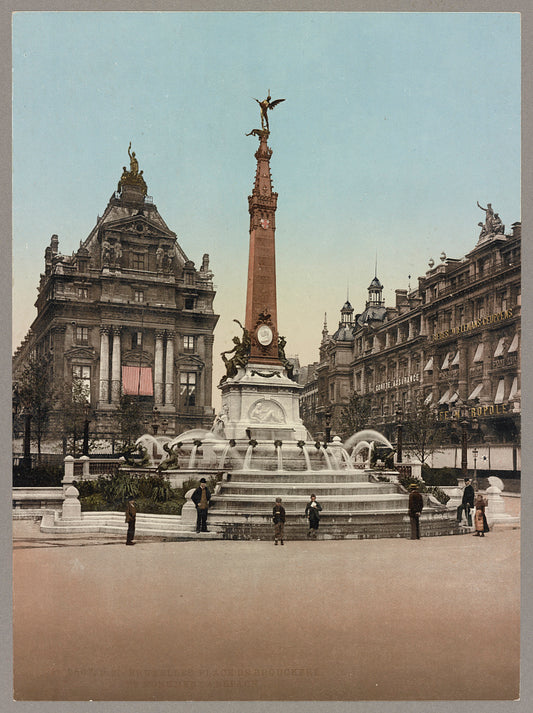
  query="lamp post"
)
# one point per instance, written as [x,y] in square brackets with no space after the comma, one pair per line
[328,425]
[474,456]
[86,413]
[155,420]
[399,433]
[26,460]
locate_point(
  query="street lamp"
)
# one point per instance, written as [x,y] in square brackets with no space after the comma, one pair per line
[328,425]
[474,456]
[86,413]
[155,420]
[399,433]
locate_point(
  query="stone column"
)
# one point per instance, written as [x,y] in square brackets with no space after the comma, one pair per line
[158,369]
[115,367]
[169,370]
[104,365]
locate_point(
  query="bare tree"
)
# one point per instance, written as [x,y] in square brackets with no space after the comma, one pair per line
[423,432]
[354,416]
[33,393]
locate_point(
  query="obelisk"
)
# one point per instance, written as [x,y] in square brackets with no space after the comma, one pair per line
[261,309]
[259,399]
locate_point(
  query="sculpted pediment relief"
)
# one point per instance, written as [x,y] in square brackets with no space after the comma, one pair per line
[136,357]
[190,360]
[137,226]
[80,353]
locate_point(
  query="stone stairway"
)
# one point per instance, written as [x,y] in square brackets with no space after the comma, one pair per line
[355,505]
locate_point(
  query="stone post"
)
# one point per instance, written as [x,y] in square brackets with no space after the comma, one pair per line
[68,477]
[85,465]
[71,505]
[188,512]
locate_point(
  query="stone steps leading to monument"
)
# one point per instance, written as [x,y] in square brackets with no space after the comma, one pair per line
[276,489]
[302,476]
[291,503]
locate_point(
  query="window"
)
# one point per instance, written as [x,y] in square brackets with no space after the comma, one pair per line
[83,293]
[188,388]
[188,343]
[137,261]
[82,335]
[136,340]
[189,303]
[81,381]
[138,296]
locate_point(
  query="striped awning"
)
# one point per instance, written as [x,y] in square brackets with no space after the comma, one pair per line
[475,393]
[446,362]
[455,361]
[429,365]
[500,348]
[137,381]
[445,398]
[428,399]
[514,345]
[500,392]
[454,398]
[478,356]
[515,391]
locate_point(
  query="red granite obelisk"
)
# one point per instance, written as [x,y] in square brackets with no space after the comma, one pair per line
[261,310]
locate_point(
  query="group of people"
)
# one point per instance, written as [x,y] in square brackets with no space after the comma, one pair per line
[202,496]
[477,503]
[312,513]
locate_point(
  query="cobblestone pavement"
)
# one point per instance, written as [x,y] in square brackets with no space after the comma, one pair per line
[392,619]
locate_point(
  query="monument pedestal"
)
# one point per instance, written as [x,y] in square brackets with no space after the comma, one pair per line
[262,403]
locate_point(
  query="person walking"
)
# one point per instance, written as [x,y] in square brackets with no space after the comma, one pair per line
[278,518]
[312,512]
[201,498]
[480,521]
[467,503]
[131,514]
[416,504]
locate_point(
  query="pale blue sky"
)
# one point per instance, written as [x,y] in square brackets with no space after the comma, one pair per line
[394,125]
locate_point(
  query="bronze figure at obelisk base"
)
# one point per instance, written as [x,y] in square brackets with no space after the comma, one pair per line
[258,396]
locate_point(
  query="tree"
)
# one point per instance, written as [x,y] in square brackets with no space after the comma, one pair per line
[33,393]
[74,399]
[423,432]
[354,416]
[131,419]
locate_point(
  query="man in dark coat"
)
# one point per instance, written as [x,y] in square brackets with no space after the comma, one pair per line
[416,503]
[201,498]
[312,512]
[278,518]
[467,503]
[131,514]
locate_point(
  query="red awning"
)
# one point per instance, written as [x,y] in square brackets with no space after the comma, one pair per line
[137,381]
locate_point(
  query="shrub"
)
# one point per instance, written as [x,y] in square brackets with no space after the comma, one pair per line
[42,476]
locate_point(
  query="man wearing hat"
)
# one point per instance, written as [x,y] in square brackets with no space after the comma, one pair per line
[467,503]
[416,503]
[201,498]
[131,514]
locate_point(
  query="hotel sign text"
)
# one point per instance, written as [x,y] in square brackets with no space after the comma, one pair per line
[400,381]
[474,324]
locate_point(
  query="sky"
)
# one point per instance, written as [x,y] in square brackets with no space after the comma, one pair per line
[394,125]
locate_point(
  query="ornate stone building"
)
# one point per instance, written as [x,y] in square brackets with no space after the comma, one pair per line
[128,313]
[452,343]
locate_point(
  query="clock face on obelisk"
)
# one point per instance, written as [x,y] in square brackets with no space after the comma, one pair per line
[264,335]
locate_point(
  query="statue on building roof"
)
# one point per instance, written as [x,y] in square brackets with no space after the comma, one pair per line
[264,106]
[133,177]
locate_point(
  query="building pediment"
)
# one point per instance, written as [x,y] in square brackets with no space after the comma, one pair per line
[136,357]
[189,361]
[80,353]
[137,227]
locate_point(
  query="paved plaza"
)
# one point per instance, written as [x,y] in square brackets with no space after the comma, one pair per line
[390,619]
